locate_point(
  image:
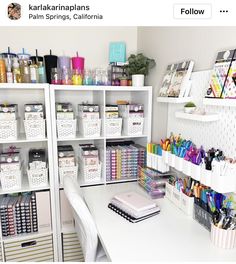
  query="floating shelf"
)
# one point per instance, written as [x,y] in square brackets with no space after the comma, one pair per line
[219,102]
[209,117]
[174,100]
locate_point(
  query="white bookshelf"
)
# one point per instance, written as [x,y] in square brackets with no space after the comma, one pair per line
[22,94]
[101,95]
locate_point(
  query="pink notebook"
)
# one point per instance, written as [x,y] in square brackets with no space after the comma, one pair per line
[135,201]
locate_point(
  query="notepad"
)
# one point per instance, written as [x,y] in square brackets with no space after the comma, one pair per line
[135,201]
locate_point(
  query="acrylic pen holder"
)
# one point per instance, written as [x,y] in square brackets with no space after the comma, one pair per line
[186,167]
[195,172]
[223,238]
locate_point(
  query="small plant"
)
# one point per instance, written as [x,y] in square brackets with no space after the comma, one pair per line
[139,64]
[190,104]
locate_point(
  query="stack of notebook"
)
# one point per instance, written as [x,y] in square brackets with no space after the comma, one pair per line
[133,206]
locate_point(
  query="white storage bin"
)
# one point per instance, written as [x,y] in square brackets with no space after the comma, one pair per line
[66,128]
[37,177]
[186,204]
[149,159]
[35,129]
[178,163]
[223,238]
[161,165]
[205,176]
[176,197]
[195,171]
[169,191]
[165,156]
[171,159]
[113,127]
[133,126]
[68,171]
[91,173]
[187,167]
[223,181]
[34,249]
[9,129]
[89,128]
[11,180]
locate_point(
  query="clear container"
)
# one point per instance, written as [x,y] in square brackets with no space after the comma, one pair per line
[88,77]
[66,76]
[77,77]
[55,76]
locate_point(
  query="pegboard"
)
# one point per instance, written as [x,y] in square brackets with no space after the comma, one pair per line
[218,134]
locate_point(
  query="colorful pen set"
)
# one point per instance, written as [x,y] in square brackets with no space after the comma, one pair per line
[154,148]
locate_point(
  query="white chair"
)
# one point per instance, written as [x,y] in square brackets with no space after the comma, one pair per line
[84,224]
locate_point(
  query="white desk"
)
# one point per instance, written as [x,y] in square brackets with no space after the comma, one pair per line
[169,236]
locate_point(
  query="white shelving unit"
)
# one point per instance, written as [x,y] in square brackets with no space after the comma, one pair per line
[208,117]
[22,94]
[219,102]
[101,95]
[174,100]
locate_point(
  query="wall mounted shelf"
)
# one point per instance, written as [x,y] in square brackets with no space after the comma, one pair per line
[174,100]
[219,102]
[209,117]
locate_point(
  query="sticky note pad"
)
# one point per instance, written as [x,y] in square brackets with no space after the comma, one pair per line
[117,52]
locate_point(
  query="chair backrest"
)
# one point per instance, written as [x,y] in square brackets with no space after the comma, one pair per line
[84,224]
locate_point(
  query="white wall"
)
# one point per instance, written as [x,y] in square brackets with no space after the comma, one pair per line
[90,42]
[172,44]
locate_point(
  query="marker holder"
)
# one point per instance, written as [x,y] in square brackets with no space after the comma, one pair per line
[169,191]
[223,181]
[187,167]
[176,197]
[179,163]
[206,176]
[195,172]
[223,238]
[155,162]
[165,156]
[171,159]
[186,204]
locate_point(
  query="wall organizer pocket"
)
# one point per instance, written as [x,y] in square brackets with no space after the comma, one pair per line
[187,167]
[223,177]
[9,129]
[169,191]
[66,128]
[113,127]
[35,129]
[171,159]
[195,171]
[179,163]
[71,171]
[206,176]
[89,128]
[133,126]
[165,156]
[176,197]
[37,177]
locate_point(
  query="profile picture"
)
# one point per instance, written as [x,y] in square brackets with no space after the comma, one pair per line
[14,11]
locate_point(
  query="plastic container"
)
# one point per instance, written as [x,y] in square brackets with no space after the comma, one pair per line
[195,172]
[66,128]
[171,159]
[9,130]
[89,128]
[206,176]
[133,126]
[38,178]
[176,197]
[35,129]
[68,171]
[186,167]
[91,173]
[11,180]
[179,163]
[186,204]
[169,191]
[165,156]
[223,238]
[113,127]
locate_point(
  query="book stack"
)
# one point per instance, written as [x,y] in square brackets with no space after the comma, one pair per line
[123,159]
[133,206]
[25,213]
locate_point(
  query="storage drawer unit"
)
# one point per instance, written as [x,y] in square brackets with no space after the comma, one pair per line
[72,250]
[38,248]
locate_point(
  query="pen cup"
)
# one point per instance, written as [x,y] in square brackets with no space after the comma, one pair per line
[186,167]
[165,156]
[179,163]
[205,177]
[223,238]
[195,171]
